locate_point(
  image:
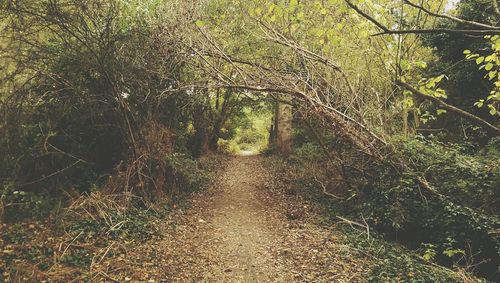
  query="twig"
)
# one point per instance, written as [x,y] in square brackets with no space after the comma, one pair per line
[324,189]
[70,244]
[351,223]
[51,175]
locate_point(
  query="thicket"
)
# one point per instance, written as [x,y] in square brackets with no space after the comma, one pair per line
[90,100]
[454,222]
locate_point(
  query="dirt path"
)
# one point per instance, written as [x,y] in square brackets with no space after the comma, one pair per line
[241,228]
[246,229]
[229,231]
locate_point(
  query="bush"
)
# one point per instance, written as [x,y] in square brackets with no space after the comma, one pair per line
[185,173]
[94,107]
[446,206]
[469,179]
[395,263]
[457,218]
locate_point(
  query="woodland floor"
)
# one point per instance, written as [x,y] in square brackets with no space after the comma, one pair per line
[246,228]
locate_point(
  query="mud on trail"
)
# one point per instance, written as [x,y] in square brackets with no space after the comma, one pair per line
[246,229]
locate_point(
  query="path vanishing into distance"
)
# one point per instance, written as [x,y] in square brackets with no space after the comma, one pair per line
[246,228]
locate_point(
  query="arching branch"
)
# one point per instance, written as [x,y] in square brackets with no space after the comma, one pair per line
[386,30]
[452,18]
[491,129]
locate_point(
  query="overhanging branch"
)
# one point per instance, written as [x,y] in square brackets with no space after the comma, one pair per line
[491,129]
[386,30]
[452,18]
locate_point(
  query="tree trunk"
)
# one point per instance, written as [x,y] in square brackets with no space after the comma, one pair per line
[205,143]
[284,128]
[214,138]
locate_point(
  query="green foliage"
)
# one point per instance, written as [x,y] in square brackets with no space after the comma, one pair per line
[470,179]
[432,86]
[134,224]
[309,152]
[429,252]
[36,246]
[391,261]
[16,235]
[89,100]
[251,130]
[452,223]
[491,64]
[394,263]
[458,220]
[186,173]
[468,87]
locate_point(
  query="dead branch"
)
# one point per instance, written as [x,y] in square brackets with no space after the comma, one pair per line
[351,223]
[325,192]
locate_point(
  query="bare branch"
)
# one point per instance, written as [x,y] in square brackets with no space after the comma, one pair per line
[455,19]
[386,30]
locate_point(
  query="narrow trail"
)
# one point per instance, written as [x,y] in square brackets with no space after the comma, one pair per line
[245,229]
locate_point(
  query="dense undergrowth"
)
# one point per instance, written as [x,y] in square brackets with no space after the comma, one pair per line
[77,242]
[454,223]
[388,261]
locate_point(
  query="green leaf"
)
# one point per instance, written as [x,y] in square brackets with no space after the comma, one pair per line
[492,74]
[200,23]
[440,78]
[492,111]
[467,52]
[488,66]
[440,111]
[480,60]
[451,253]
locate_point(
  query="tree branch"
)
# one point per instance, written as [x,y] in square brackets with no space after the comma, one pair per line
[491,129]
[386,30]
[455,19]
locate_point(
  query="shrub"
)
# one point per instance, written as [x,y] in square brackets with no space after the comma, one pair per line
[457,217]
[447,201]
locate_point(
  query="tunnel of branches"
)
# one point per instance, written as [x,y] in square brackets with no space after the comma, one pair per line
[125,96]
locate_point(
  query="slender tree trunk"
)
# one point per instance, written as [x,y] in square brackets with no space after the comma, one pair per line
[284,128]
[205,143]
[214,138]
[404,117]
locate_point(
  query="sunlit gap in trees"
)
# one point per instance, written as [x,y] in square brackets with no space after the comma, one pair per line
[251,131]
